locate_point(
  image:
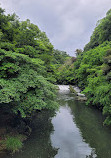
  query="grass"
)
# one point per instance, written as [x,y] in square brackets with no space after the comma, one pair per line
[13,144]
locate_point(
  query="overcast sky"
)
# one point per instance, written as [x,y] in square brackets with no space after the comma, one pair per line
[67,23]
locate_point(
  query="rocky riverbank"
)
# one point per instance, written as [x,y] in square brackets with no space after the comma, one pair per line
[78,93]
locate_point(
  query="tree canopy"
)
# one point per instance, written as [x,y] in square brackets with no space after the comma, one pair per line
[92,69]
[101,33]
[26,71]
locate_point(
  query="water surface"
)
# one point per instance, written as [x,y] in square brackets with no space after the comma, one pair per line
[75,131]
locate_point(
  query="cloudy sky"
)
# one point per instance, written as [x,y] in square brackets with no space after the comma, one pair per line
[67,23]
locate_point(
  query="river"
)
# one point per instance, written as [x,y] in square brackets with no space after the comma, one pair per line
[74,131]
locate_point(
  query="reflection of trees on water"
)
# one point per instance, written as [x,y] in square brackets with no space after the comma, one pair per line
[90,123]
[39,143]
[43,129]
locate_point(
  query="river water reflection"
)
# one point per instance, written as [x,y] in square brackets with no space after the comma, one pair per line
[75,131]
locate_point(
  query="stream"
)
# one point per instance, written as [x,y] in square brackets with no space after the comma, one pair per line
[74,131]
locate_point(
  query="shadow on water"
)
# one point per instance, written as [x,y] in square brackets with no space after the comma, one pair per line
[90,123]
[39,143]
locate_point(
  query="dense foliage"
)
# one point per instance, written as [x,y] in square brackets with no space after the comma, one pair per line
[93,68]
[101,33]
[65,72]
[28,64]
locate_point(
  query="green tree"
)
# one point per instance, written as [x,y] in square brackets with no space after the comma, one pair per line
[25,59]
[101,33]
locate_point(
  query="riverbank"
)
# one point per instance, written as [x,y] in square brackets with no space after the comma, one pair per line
[12,133]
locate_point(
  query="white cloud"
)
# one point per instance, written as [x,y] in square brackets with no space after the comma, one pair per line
[68,23]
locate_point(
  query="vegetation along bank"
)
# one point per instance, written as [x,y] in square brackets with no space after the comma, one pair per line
[92,69]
